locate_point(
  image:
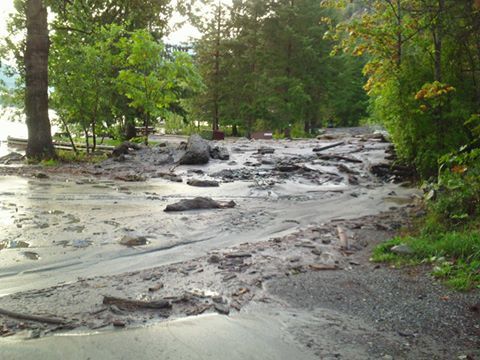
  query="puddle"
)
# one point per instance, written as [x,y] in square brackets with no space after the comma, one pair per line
[81,243]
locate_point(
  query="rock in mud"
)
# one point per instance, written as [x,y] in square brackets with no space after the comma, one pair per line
[169,176]
[214,259]
[124,148]
[129,240]
[402,249]
[11,158]
[203,183]
[220,153]
[199,203]
[286,167]
[31,255]
[222,309]
[265,150]
[41,175]
[131,178]
[197,151]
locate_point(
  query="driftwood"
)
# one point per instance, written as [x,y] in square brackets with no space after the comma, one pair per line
[343,238]
[326,147]
[128,304]
[36,318]
[323,267]
[339,157]
[346,169]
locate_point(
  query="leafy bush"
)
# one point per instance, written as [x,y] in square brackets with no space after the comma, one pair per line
[449,238]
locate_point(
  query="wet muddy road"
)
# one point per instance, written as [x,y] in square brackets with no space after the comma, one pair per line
[58,229]
[270,278]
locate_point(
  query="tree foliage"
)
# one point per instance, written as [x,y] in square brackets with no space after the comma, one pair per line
[267,65]
[423,70]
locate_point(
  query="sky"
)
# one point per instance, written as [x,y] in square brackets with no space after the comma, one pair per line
[6,7]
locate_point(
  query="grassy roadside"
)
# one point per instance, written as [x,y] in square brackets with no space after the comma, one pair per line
[448,237]
[453,255]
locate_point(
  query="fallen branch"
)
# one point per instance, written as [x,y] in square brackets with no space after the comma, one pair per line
[36,318]
[339,157]
[343,238]
[128,304]
[326,147]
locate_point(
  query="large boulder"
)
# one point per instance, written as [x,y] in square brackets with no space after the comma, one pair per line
[197,151]
[199,203]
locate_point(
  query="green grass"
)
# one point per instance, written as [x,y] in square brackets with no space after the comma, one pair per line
[454,255]
[65,157]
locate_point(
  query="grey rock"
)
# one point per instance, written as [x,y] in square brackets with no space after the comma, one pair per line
[199,203]
[11,158]
[214,259]
[31,255]
[131,240]
[220,153]
[265,150]
[169,176]
[124,148]
[197,151]
[402,249]
[203,183]
[222,309]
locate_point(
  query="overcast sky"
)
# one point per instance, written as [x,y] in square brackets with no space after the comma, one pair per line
[6,7]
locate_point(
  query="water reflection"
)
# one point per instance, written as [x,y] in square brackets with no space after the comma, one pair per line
[16,128]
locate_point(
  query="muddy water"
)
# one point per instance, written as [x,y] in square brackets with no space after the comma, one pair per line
[73,228]
[54,231]
[245,336]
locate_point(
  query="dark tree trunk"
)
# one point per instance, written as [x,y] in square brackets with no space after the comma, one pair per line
[234,131]
[65,125]
[438,42]
[216,111]
[87,143]
[40,144]
[130,130]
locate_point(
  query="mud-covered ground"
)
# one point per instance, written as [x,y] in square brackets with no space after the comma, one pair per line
[293,253]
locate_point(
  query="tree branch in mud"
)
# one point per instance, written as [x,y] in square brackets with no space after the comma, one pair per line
[339,157]
[128,304]
[326,147]
[36,318]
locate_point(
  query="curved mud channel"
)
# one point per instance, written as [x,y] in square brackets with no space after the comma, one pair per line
[61,255]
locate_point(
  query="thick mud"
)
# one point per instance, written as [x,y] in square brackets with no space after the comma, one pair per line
[276,270]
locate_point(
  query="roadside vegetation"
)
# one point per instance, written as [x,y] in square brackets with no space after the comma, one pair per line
[423,81]
[448,237]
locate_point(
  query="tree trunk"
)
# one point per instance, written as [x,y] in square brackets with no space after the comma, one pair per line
[40,144]
[216,115]
[438,42]
[65,125]
[87,143]
[130,131]
[147,122]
